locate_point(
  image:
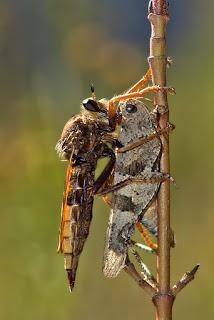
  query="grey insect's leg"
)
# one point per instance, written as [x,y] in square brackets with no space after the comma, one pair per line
[142,246]
[156,177]
[147,275]
[144,140]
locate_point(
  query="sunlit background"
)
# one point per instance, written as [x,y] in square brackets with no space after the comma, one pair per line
[49,52]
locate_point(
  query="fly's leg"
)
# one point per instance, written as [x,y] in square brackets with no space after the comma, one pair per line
[101,180]
[141,82]
[145,78]
[146,237]
[156,177]
[106,176]
[138,94]
[107,183]
[130,95]
[144,140]
[111,110]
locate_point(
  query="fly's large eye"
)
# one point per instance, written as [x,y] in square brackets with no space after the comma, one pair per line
[91,105]
[131,108]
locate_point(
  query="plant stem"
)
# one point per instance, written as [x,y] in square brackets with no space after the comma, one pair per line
[163,294]
[159,7]
[163,300]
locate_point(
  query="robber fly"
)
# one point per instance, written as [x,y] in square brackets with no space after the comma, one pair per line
[133,202]
[83,141]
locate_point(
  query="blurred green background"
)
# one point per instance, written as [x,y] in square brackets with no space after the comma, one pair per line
[49,52]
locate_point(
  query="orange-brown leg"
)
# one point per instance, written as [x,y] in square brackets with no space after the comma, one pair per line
[111,108]
[141,82]
[107,201]
[144,234]
[134,88]
[138,94]
[145,78]
[131,95]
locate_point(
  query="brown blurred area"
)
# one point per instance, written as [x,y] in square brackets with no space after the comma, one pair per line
[49,53]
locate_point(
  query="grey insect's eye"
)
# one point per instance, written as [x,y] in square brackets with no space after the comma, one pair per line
[91,105]
[131,108]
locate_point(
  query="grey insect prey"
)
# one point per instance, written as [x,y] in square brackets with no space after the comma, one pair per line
[132,203]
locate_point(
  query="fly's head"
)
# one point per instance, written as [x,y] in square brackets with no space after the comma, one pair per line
[84,130]
[95,110]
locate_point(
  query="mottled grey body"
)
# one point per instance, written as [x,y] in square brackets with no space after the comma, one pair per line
[131,203]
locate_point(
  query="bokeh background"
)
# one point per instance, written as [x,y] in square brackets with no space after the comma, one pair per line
[49,52]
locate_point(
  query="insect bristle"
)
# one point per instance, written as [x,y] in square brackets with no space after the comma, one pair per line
[92,91]
[92,87]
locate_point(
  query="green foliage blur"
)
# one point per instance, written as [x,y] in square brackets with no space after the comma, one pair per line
[50,50]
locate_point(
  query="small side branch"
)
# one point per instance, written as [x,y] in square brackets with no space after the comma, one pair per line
[187,277]
[130,269]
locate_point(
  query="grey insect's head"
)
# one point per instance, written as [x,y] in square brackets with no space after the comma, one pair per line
[130,108]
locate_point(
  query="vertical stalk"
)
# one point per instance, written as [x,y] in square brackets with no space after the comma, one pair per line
[158,18]
[163,294]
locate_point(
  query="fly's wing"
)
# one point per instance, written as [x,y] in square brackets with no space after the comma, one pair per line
[76,216]
[65,207]
[132,200]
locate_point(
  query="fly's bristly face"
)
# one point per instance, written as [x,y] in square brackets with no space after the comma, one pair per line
[95,109]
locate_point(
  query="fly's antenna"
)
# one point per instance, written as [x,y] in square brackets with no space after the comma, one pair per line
[92,91]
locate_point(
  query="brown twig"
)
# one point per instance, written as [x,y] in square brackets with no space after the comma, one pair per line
[164,298]
[158,61]
[130,269]
[159,7]
[187,277]
[163,295]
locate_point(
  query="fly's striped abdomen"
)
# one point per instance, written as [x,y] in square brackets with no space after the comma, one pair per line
[77,213]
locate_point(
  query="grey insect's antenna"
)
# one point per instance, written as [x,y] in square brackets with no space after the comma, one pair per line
[93,95]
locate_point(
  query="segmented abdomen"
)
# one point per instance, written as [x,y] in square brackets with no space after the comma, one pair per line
[77,213]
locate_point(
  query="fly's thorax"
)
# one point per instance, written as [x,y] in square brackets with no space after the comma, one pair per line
[82,137]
